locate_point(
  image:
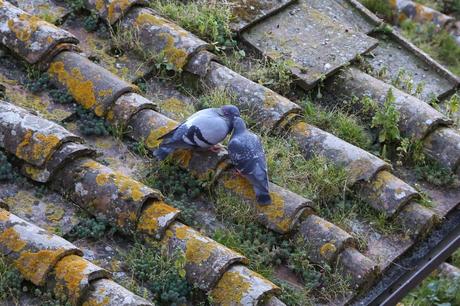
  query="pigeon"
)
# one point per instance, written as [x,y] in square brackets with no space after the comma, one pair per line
[247,155]
[202,130]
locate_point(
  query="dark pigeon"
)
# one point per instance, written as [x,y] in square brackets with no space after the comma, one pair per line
[202,130]
[247,155]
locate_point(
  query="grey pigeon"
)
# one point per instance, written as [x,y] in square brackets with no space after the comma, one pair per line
[247,155]
[202,130]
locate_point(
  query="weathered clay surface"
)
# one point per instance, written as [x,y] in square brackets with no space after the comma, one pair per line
[360,165]
[47,210]
[346,13]
[11,73]
[34,251]
[325,240]
[29,137]
[72,277]
[49,10]
[67,152]
[126,107]
[156,218]
[406,9]
[98,46]
[419,220]
[444,146]
[30,37]
[417,119]
[108,293]
[200,63]
[247,13]
[107,194]
[284,212]
[387,193]
[240,286]
[161,37]
[315,44]
[112,10]
[206,260]
[361,269]
[266,106]
[92,86]
[395,54]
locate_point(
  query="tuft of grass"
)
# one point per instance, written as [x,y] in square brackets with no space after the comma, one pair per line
[10,280]
[437,43]
[314,178]
[343,125]
[209,20]
[381,8]
[163,275]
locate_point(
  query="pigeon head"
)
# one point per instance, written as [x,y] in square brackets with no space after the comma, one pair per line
[230,111]
[238,125]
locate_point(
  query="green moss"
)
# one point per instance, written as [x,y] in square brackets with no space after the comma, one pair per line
[6,169]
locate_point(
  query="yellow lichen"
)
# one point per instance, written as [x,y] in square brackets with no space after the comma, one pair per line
[179,109]
[301,128]
[183,157]
[95,302]
[80,88]
[93,165]
[102,179]
[34,266]
[25,26]
[54,214]
[152,140]
[36,146]
[149,220]
[176,56]
[4,215]
[116,8]
[198,250]
[230,289]
[327,249]
[182,232]
[12,240]
[70,270]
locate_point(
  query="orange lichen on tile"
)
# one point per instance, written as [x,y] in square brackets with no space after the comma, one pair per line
[199,250]
[327,249]
[153,140]
[79,87]
[230,289]
[36,146]
[176,56]
[70,270]
[301,128]
[35,266]
[25,27]
[11,239]
[149,220]
[4,215]
[116,8]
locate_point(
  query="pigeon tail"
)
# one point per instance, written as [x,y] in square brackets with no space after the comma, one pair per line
[162,152]
[264,199]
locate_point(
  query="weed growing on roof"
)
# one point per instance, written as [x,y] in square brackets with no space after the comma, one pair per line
[343,125]
[10,280]
[274,74]
[381,8]
[90,227]
[295,296]
[209,20]
[405,81]
[386,119]
[456,258]
[437,43]
[48,298]
[6,169]
[314,178]
[91,125]
[36,80]
[179,187]
[435,290]
[162,275]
